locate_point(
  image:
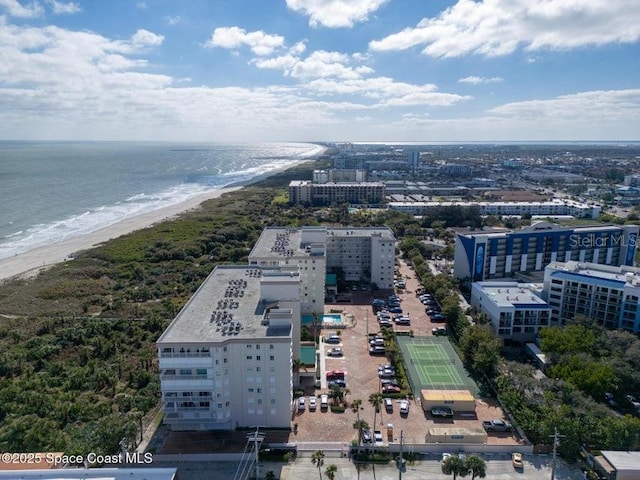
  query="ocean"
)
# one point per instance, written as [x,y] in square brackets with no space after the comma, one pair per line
[53,191]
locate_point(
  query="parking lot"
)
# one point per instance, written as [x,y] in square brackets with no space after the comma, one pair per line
[361,378]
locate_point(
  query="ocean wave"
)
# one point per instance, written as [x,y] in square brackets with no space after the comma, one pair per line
[105,215]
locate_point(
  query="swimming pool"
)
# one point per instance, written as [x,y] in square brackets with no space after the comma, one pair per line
[327,319]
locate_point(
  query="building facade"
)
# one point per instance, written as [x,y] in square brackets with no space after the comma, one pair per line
[226,359]
[364,255]
[606,294]
[515,309]
[550,208]
[308,193]
[485,256]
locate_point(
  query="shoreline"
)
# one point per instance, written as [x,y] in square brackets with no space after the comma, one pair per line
[31,262]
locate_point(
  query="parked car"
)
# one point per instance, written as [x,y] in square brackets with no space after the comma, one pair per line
[439,331]
[442,412]
[386,373]
[389,381]
[366,436]
[395,310]
[335,374]
[377,436]
[337,383]
[444,457]
[388,405]
[324,401]
[333,338]
[312,403]
[516,460]
[633,401]
[385,322]
[496,425]
[437,317]
[377,350]
[301,404]
[404,407]
[403,321]
[335,352]
[391,389]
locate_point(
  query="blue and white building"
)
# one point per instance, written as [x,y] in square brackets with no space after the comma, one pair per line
[606,294]
[486,256]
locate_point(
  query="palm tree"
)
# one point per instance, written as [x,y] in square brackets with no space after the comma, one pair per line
[331,471]
[316,324]
[355,407]
[360,425]
[477,466]
[375,399]
[454,465]
[336,394]
[318,460]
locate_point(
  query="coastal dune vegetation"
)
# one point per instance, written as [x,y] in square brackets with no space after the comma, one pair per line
[78,368]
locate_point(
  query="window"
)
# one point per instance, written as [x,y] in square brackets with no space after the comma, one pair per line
[258,347]
[249,357]
[258,358]
[271,346]
[272,357]
[185,371]
[201,371]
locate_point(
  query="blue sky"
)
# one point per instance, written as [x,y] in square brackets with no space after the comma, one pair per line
[320,70]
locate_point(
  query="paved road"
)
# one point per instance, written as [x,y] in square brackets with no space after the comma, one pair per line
[498,468]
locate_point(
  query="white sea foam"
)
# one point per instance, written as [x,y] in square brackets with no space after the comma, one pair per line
[105,215]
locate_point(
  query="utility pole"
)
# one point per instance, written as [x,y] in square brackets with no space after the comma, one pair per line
[556,437]
[400,460]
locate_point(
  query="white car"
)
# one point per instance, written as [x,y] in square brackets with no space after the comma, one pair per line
[377,436]
[324,401]
[445,456]
[312,403]
[301,403]
[404,407]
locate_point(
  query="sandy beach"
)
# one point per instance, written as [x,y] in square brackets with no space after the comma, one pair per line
[32,261]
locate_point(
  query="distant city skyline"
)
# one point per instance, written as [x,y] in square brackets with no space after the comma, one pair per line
[321,70]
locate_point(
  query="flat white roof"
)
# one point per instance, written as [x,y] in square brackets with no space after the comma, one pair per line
[623,461]
[510,294]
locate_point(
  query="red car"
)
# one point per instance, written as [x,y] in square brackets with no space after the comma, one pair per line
[335,375]
[390,389]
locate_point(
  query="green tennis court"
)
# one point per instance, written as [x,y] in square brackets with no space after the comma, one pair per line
[432,363]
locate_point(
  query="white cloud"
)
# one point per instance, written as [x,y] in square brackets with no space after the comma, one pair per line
[13,8]
[621,104]
[175,20]
[480,80]
[335,13]
[319,64]
[499,27]
[145,38]
[60,8]
[259,42]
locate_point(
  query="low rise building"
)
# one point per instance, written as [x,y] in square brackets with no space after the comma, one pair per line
[515,310]
[544,208]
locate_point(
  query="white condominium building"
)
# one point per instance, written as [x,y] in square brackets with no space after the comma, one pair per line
[604,293]
[226,359]
[515,309]
[363,254]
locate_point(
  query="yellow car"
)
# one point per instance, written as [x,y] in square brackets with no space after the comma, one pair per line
[516,460]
